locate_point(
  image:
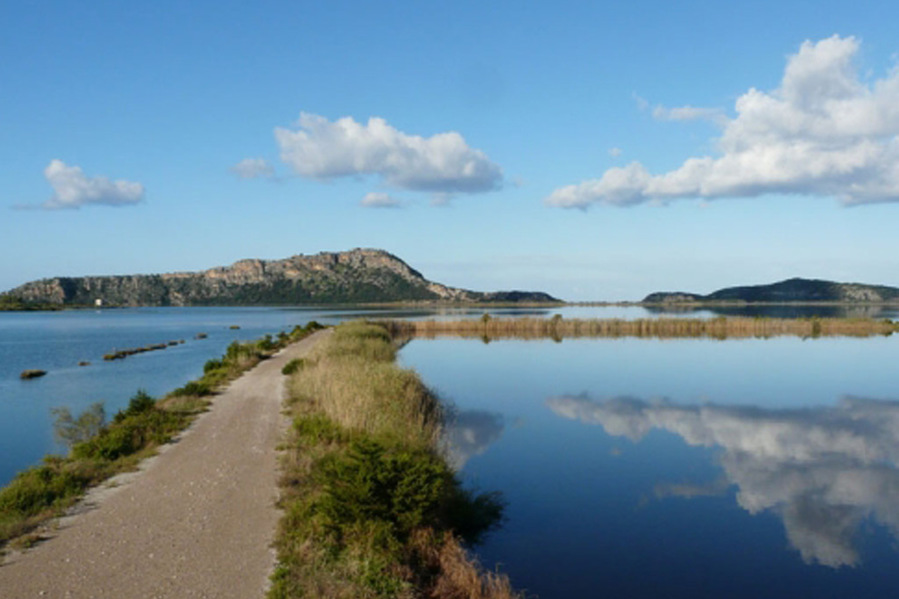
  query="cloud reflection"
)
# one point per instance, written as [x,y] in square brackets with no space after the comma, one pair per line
[469,433]
[823,470]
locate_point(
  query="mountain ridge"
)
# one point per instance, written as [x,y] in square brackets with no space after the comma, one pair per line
[795,289]
[361,275]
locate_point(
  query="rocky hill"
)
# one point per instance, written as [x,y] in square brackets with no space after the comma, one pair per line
[357,276]
[791,290]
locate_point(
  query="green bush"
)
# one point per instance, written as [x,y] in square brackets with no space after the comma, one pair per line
[266,344]
[130,435]
[405,488]
[109,445]
[199,388]
[293,366]
[37,489]
[211,365]
[138,404]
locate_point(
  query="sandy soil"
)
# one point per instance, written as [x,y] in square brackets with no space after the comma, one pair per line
[197,520]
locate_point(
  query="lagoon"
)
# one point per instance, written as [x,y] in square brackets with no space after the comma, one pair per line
[631,467]
[58,341]
[680,468]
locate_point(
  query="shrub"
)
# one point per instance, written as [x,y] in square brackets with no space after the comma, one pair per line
[211,365]
[266,344]
[405,488]
[293,366]
[197,388]
[37,489]
[111,444]
[138,404]
[129,435]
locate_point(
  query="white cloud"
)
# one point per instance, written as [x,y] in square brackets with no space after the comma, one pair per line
[320,149]
[253,168]
[823,470]
[822,132]
[614,152]
[380,200]
[73,189]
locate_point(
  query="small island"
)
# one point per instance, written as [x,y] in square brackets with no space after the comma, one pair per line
[32,374]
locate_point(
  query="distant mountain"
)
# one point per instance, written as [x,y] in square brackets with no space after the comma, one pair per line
[357,276]
[791,290]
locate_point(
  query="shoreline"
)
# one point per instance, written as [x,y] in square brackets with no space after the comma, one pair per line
[197,518]
[39,493]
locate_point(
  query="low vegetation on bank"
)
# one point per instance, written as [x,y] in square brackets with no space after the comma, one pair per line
[14,304]
[721,327]
[101,449]
[371,507]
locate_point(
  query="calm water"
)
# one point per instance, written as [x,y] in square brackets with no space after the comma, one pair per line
[58,341]
[632,468]
[686,468]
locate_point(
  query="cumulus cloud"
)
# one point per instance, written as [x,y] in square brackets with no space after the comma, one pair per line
[253,168]
[823,470]
[823,132]
[73,189]
[380,200]
[320,149]
[614,152]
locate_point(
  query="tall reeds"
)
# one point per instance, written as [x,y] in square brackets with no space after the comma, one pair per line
[659,328]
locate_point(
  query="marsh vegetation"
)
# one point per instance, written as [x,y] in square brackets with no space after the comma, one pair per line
[371,507]
[488,327]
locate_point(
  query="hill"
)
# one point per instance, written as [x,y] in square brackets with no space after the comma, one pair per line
[790,290]
[356,276]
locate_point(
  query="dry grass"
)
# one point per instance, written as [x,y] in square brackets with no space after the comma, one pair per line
[372,397]
[659,328]
[460,576]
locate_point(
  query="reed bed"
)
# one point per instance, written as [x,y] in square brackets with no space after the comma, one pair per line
[371,508]
[658,328]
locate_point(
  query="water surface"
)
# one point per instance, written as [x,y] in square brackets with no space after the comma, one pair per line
[681,468]
[58,341]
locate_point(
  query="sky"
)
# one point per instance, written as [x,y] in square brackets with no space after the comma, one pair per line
[595,151]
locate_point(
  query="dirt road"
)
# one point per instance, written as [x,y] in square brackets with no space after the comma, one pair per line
[197,521]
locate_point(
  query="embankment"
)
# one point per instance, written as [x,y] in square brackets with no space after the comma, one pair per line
[371,507]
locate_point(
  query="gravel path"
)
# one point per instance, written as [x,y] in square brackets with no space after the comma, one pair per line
[198,520]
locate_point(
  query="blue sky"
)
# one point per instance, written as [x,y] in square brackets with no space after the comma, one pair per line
[597,152]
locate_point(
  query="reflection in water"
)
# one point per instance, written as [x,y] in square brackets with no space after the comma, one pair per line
[823,470]
[469,433]
[778,310]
